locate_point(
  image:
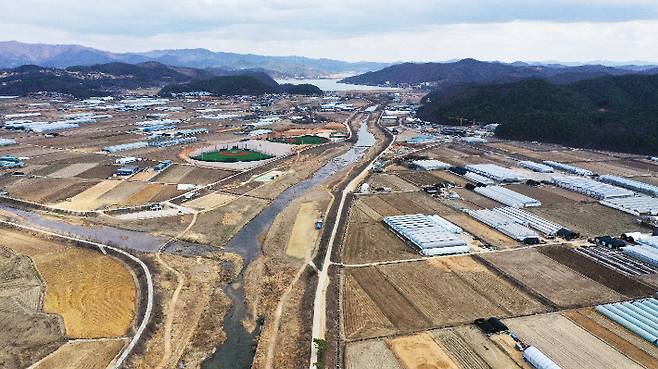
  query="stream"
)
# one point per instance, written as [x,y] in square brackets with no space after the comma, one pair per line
[237,351]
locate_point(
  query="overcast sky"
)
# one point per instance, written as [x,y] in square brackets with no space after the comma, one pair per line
[375,30]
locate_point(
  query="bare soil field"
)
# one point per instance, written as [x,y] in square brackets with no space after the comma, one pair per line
[420,352]
[645,166]
[407,294]
[28,333]
[444,175]
[303,235]
[68,192]
[650,180]
[471,348]
[567,344]
[89,199]
[83,355]
[203,176]
[559,284]
[482,232]
[417,177]
[166,192]
[590,219]
[367,240]
[363,317]
[475,200]
[211,200]
[406,203]
[173,174]
[459,350]
[370,355]
[72,170]
[39,190]
[549,195]
[616,336]
[121,192]
[610,167]
[99,172]
[608,277]
[393,182]
[94,293]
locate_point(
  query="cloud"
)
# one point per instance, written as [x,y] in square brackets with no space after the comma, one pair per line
[386,30]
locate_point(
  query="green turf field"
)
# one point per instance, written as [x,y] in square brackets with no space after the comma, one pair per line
[301,140]
[232,156]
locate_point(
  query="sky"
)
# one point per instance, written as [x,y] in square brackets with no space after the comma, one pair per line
[353,30]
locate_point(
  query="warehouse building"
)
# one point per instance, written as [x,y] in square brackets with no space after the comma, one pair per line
[568,168]
[635,205]
[535,167]
[127,171]
[430,165]
[505,225]
[590,187]
[496,172]
[637,316]
[507,197]
[630,184]
[429,234]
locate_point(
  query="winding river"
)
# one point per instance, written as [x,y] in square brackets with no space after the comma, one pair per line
[237,352]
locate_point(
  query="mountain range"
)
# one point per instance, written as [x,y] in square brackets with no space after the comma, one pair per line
[14,54]
[471,71]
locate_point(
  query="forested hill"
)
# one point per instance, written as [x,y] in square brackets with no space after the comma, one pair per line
[614,113]
[445,75]
[243,84]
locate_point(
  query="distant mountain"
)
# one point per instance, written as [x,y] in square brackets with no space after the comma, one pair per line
[468,71]
[255,83]
[101,79]
[14,54]
[612,113]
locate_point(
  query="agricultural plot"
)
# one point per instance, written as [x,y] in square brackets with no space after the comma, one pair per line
[203,176]
[420,351]
[418,178]
[482,232]
[304,236]
[72,170]
[623,284]
[611,167]
[90,198]
[395,183]
[173,174]
[370,355]
[41,190]
[83,355]
[28,333]
[553,281]
[99,172]
[446,176]
[567,344]
[212,200]
[549,195]
[407,294]
[473,200]
[615,336]
[590,219]
[94,293]
[406,203]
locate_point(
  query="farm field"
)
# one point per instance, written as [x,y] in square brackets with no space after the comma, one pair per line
[405,203]
[211,200]
[72,170]
[83,355]
[623,284]
[553,281]
[406,295]
[28,333]
[590,219]
[549,195]
[482,232]
[418,178]
[90,198]
[370,355]
[615,336]
[420,351]
[611,167]
[567,344]
[303,235]
[393,182]
[94,293]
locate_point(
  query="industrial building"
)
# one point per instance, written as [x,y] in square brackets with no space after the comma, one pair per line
[496,172]
[535,167]
[568,168]
[430,234]
[126,147]
[127,171]
[635,205]
[630,184]
[430,165]
[637,316]
[530,220]
[505,225]
[590,187]
[507,197]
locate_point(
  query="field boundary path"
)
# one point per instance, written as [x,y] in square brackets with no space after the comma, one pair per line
[119,360]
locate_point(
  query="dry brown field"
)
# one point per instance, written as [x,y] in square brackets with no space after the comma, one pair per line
[173,174]
[549,195]
[393,182]
[420,352]
[567,344]
[589,219]
[407,294]
[557,283]
[611,167]
[482,232]
[83,355]
[370,355]
[417,177]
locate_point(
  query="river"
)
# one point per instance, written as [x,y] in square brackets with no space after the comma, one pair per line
[237,352]
[332,85]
